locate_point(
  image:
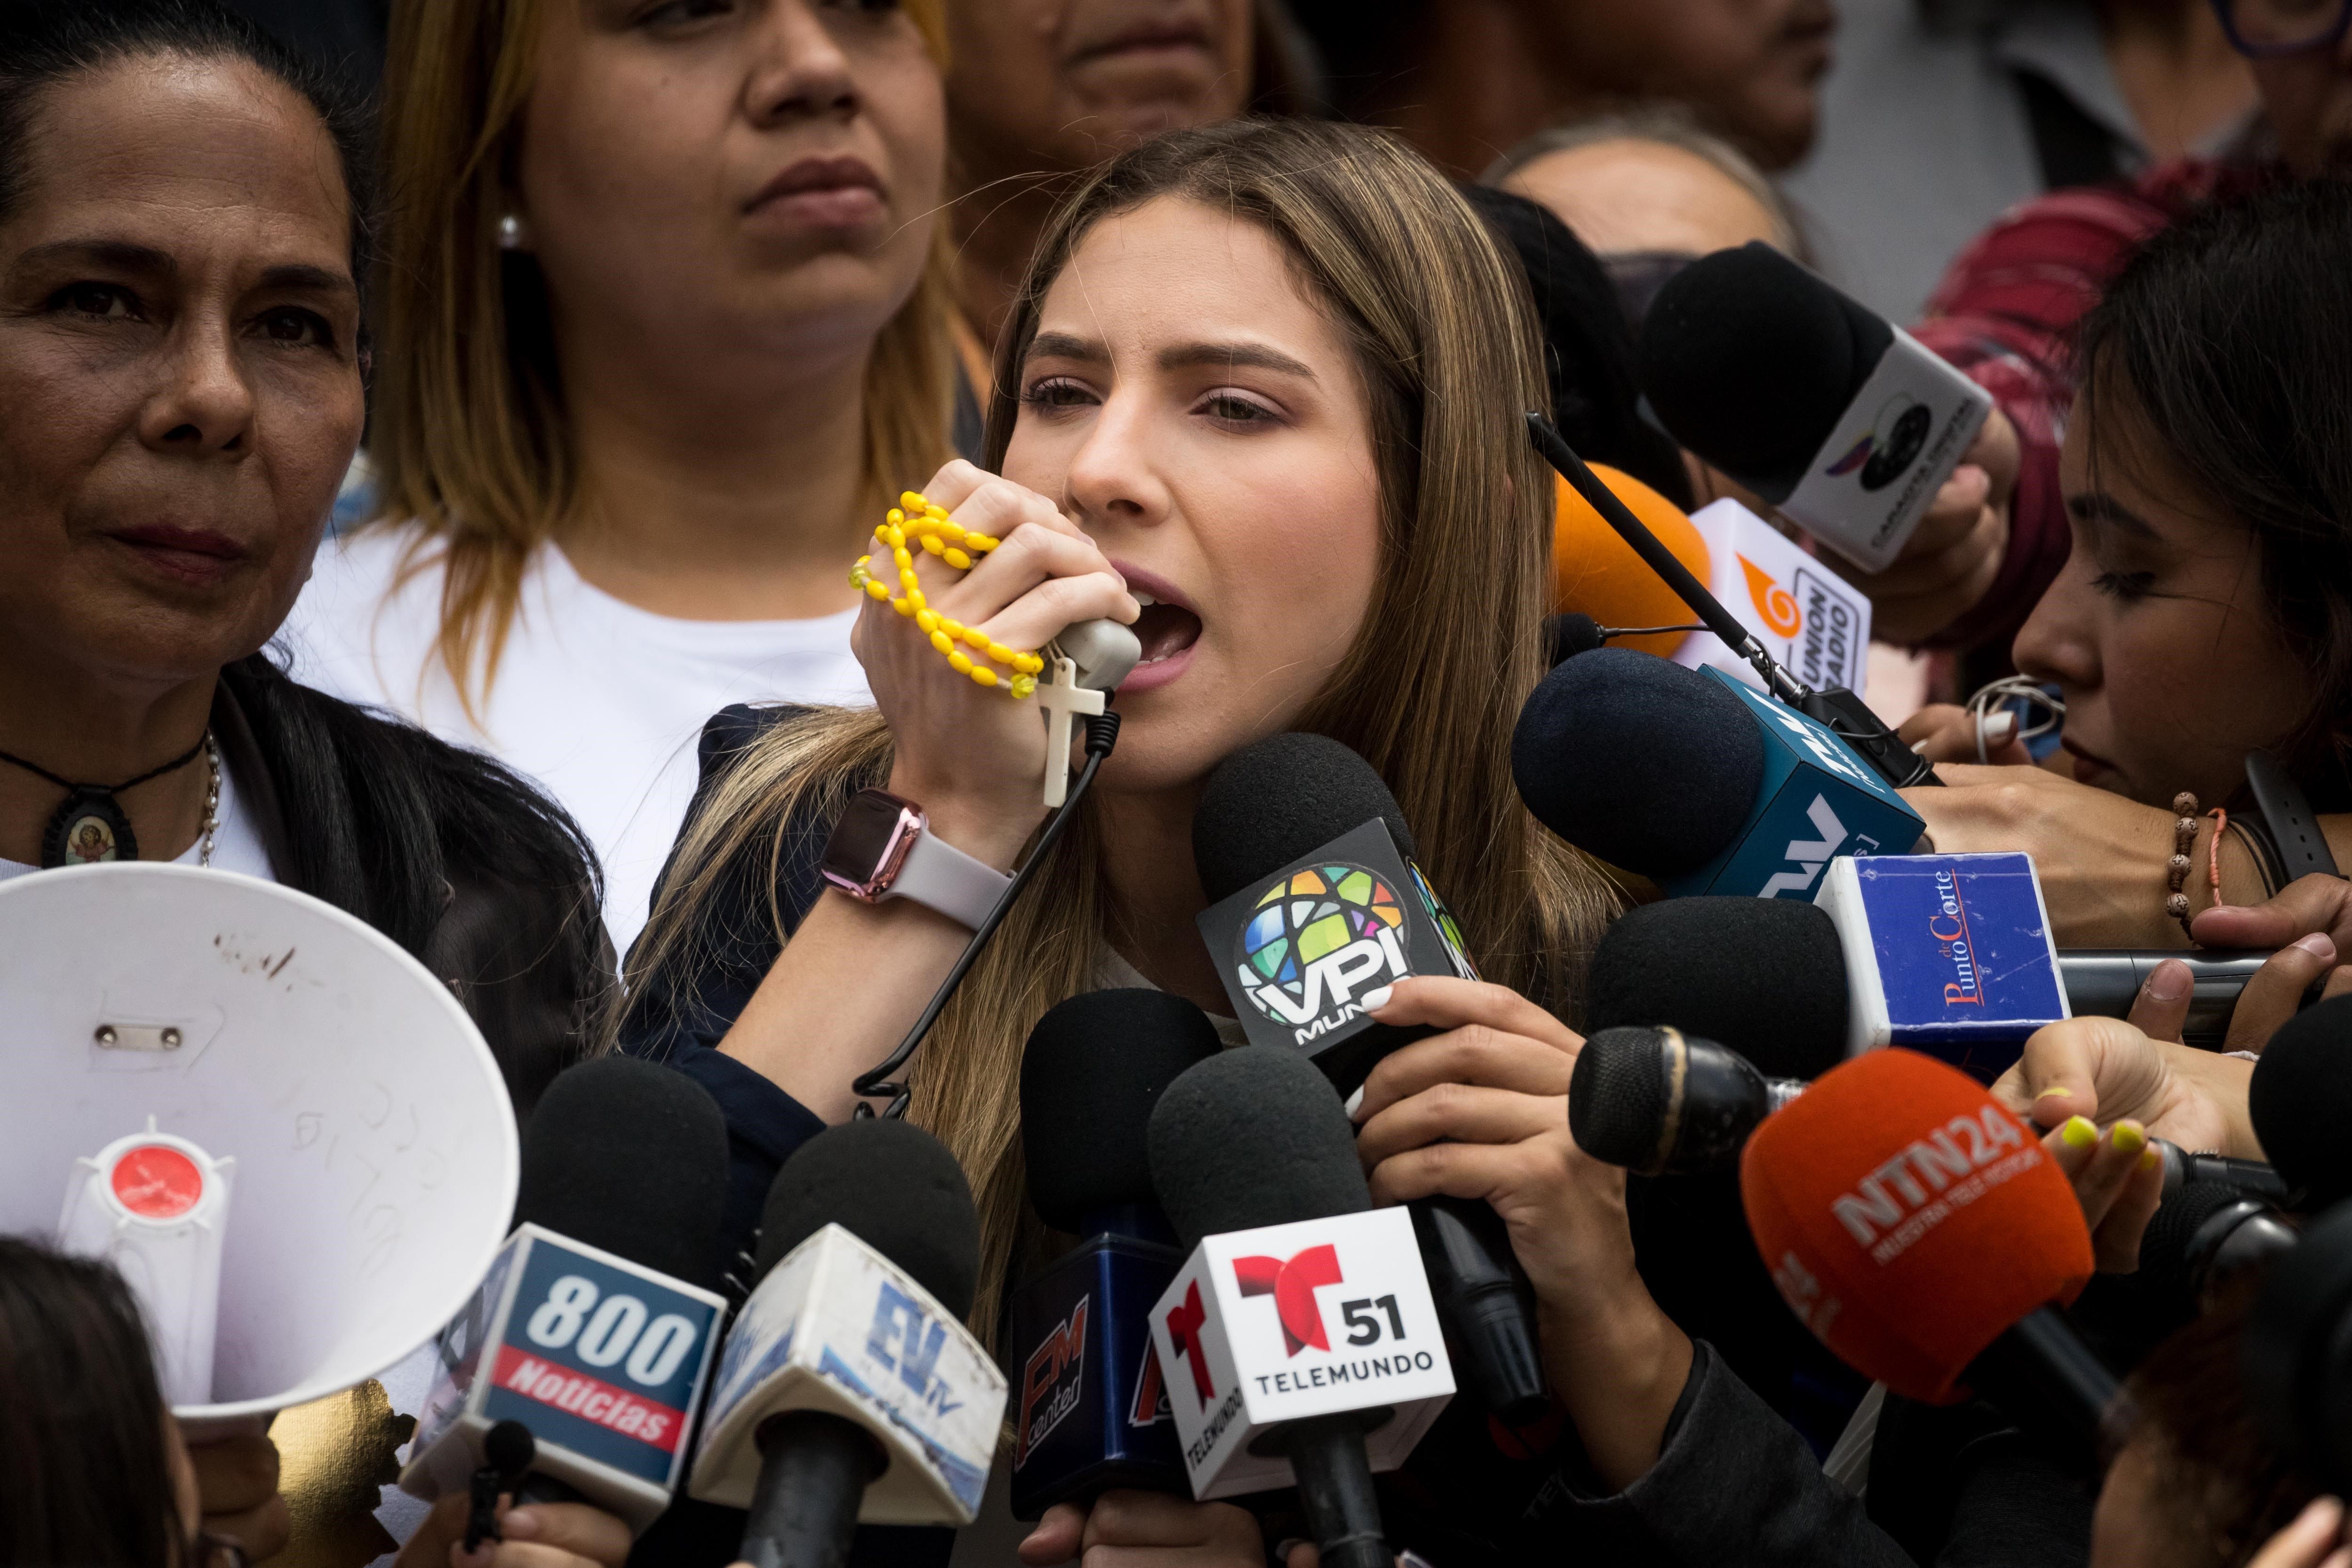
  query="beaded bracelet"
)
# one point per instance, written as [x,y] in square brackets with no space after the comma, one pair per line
[2184,839]
[916,518]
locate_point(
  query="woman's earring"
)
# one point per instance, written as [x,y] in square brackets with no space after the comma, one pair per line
[512,235]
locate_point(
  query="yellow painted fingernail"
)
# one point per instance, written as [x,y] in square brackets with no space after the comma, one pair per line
[2131,1138]
[2078,1132]
[2061,1093]
[2149,1158]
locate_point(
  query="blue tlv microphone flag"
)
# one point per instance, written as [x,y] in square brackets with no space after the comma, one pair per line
[1817,802]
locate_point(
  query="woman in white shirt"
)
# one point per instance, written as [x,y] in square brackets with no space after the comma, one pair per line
[663,306]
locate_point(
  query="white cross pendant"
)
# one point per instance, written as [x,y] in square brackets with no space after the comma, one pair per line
[1062,699]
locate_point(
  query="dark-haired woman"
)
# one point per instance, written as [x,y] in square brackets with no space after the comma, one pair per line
[180,393]
[2206,609]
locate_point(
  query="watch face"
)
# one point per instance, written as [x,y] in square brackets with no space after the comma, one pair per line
[868,842]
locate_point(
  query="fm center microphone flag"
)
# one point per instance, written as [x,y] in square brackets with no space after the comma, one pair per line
[1092,1412]
[1818,801]
[1948,955]
[601,1358]
[838,1328]
[1314,1318]
[1299,948]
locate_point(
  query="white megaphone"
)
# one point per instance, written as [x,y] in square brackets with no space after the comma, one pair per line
[267,1114]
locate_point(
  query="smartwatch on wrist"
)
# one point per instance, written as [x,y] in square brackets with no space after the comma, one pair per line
[882,848]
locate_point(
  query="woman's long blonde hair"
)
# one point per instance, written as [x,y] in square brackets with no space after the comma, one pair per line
[1428,690]
[470,440]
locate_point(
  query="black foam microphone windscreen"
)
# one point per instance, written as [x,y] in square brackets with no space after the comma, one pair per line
[1619,1099]
[1750,359]
[1094,1067]
[1281,799]
[1249,1138]
[2301,1101]
[632,1157]
[1765,976]
[892,1185]
[1636,760]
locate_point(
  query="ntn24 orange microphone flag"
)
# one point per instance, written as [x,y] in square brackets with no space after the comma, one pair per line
[1596,572]
[1908,1218]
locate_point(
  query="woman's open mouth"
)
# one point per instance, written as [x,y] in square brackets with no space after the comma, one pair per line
[1168,632]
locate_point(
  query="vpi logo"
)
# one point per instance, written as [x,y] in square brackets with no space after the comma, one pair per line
[1316,938]
[1809,854]
[905,1337]
[1053,1382]
[1292,1282]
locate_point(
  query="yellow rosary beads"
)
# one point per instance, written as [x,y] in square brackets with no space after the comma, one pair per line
[930,530]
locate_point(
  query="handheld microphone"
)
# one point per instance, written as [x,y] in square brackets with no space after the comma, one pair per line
[1695,781]
[1842,421]
[2205,1237]
[1922,1234]
[1092,1412]
[850,1391]
[1308,863]
[598,1320]
[1299,1342]
[1659,1102]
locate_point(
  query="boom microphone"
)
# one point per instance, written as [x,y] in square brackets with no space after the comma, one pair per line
[1299,1342]
[598,1320]
[1842,421]
[1092,1413]
[1695,781]
[1923,1235]
[1308,863]
[850,1390]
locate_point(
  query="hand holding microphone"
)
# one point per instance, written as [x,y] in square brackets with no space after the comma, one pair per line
[1957,551]
[1480,1111]
[533,1535]
[973,756]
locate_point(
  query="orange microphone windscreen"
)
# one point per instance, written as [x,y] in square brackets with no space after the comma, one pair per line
[1596,572]
[1908,1218]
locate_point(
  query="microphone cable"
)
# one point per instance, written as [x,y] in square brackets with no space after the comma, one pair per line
[876,1082]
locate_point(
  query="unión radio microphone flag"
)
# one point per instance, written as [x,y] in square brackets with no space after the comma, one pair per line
[1910,1220]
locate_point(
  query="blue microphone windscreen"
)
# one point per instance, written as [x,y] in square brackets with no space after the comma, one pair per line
[1637,760]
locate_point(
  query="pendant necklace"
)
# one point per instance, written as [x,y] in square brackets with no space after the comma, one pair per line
[92,827]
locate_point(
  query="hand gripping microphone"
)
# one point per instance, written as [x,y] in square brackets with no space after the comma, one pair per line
[1299,1342]
[1842,421]
[599,1318]
[1920,1230]
[850,1390]
[1090,1410]
[1691,779]
[1308,863]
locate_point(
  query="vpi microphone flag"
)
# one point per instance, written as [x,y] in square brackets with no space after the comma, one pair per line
[1299,948]
[1265,1326]
[1818,801]
[602,1359]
